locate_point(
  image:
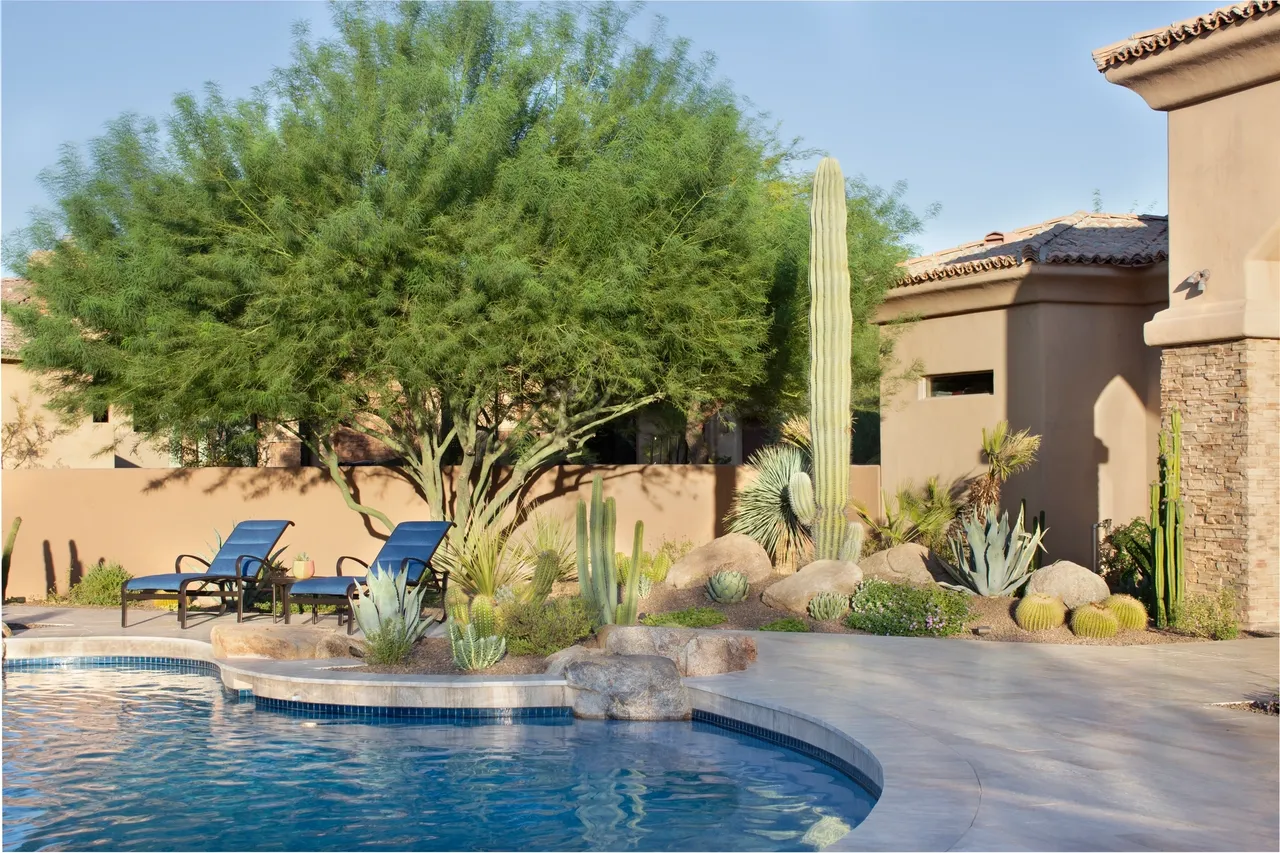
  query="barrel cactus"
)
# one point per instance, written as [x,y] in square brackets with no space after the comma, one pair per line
[1040,612]
[828,606]
[1129,612]
[1094,621]
[455,605]
[727,587]
[821,503]
[482,616]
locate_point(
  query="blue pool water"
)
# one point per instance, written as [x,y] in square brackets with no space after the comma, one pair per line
[134,759]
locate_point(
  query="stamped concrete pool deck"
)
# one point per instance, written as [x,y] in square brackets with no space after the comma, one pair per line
[982,746]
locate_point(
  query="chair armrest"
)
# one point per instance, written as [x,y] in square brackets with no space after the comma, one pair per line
[436,575]
[357,559]
[243,560]
[177,564]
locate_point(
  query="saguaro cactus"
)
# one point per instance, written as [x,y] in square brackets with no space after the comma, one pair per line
[822,508]
[1167,516]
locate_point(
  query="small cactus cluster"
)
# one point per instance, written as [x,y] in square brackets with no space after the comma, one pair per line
[828,606]
[653,567]
[727,587]
[1094,621]
[644,586]
[474,637]
[1039,612]
[612,601]
[1129,612]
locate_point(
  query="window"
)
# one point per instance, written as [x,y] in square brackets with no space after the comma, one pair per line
[103,417]
[955,384]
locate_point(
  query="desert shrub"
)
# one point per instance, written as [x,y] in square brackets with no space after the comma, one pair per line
[675,549]
[880,607]
[541,628]
[389,645]
[100,586]
[694,617]
[1125,559]
[789,623]
[1210,616]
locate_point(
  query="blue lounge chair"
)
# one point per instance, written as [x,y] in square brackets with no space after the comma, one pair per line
[410,548]
[233,572]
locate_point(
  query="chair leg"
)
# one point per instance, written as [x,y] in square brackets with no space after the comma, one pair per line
[351,623]
[182,609]
[239,602]
[124,608]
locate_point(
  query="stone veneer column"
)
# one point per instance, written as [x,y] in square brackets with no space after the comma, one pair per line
[1229,396]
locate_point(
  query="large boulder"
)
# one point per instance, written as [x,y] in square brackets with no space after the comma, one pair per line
[793,593]
[281,642]
[731,552]
[1072,583]
[628,687]
[558,662]
[911,563]
[694,652]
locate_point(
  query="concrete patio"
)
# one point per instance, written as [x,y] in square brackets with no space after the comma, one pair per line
[984,746]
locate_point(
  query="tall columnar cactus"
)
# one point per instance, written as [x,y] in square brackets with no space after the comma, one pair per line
[1167,516]
[8,555]
[597,568]
[821,503]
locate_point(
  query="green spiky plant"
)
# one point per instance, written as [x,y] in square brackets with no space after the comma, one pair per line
[473,651]
[727,587]
[546,571]
[762,509]
[653,567]
[644,587]
[483,616]
[1129,612]
[597,567]
[9,541]
[1167,518]
[828,606]
[1094,621]
[990,557]
[455,605]
[1006,454]
[1039,612]
[389,612]
[821,503]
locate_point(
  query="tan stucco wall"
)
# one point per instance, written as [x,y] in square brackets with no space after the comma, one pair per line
[82,444]
[1224,210]
[144,519]
[1075,372]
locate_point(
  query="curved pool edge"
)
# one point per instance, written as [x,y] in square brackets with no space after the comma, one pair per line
[926,801]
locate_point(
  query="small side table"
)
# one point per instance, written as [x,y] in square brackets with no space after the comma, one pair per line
[280,585]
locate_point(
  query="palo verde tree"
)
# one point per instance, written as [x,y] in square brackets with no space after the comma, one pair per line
[475,233]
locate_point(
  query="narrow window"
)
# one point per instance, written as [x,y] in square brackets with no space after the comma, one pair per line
[955,384]
[102,417]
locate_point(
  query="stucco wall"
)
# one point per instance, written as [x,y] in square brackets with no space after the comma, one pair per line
[144,519]
[81,445]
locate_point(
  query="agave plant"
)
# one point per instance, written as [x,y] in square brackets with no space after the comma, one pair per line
[762,510]
[385,602]
[991,558]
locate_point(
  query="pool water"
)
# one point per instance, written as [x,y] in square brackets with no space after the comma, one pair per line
[140,759]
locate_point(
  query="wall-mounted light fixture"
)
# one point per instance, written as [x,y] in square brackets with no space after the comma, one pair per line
[1196,281]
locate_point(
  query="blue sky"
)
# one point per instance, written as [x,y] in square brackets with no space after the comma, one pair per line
[993,110]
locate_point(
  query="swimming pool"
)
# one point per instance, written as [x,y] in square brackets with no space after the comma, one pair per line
[132,758]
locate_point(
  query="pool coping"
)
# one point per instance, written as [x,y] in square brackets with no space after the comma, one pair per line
[927,801]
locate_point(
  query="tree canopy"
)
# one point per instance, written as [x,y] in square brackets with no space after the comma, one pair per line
[474,232]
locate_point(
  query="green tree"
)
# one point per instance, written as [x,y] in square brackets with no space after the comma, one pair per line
[473,232]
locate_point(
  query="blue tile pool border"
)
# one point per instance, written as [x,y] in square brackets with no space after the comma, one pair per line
[803,747]
[381,712]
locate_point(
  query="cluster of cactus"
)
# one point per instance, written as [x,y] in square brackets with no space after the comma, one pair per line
[828,606]
[727,587]
[991,558]
[1129,612]
[1039,612]
[385,602]
[653,567]
[1167,517]
[1095,621]
[597,565]
[821,503]
[474,637]
[455,605]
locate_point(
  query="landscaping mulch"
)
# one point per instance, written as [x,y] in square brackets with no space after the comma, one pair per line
[997,612]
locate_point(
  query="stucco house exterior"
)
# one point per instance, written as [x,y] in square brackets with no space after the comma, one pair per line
[1217,76]
[1041,326]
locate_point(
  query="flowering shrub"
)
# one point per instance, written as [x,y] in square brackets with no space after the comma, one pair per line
[880,607]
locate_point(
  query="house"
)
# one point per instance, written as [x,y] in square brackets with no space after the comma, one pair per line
[1041,326]
[1217,76]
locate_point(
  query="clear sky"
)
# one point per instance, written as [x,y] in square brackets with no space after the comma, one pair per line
[993,110]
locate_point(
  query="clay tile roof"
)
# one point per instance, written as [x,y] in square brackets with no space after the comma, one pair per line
[11,290]
[1154,41]
[1113,239]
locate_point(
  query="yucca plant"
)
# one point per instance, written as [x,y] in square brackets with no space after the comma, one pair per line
[991,558]
[762,510]
[485,564]
[1006,453]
